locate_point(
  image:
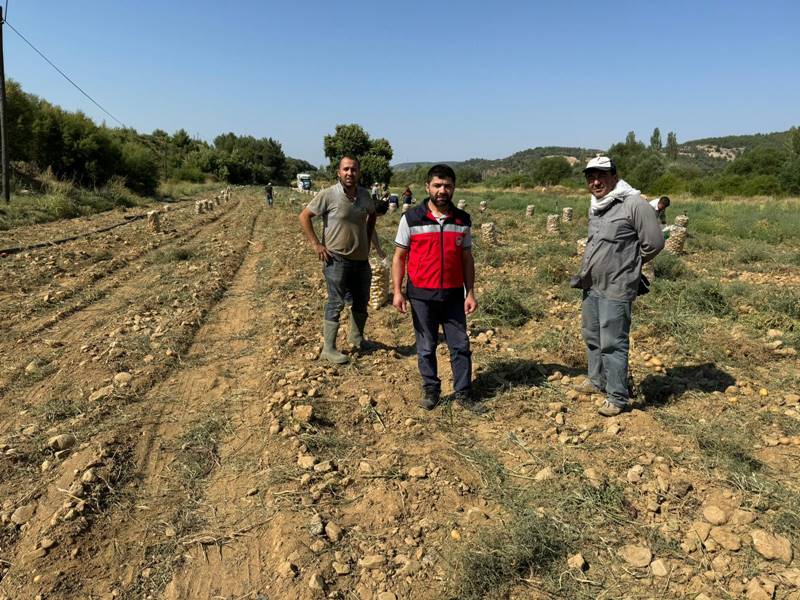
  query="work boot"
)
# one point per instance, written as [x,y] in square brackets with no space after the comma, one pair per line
[430,398]
[587,387]
[611,410]
[329,352]
[467,401]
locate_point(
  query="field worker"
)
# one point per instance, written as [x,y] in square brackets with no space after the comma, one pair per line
[408,196]
[374,191]
[434,239]
[348,221]
[660,205]
[623,234]
[268,190]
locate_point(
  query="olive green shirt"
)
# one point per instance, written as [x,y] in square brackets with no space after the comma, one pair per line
[344,221]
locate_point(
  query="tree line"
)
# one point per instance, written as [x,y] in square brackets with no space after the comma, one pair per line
[75,148]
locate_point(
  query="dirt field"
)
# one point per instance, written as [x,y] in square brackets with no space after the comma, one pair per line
[167,432]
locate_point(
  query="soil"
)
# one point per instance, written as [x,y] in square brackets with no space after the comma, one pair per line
[182,363]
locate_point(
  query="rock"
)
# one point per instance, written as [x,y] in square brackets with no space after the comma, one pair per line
[543,474]
[680,488]
[102,393]
[326,466]
[577,562]
[635,474]
[373,561]
[315,526]
[743,517]
[774,333]
[772,547]
[341,568]
[418,472]
[333,531]
[387,596]
[613,428]
[288,569]
[306,461]
[659,568]
[715,515]
[726,538]
[251,492]
[316,582]
[636,556]
[47,543]
[65,441]
[303,413]
[122,379]
[594,478]
[365,401]
[23,514]
[88,477]
[760,588]
[32,367]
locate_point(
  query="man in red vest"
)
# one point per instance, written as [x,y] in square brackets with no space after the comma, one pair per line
[434,242]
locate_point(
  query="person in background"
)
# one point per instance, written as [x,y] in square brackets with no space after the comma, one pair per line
[408,196]
[268,191]
[660,205]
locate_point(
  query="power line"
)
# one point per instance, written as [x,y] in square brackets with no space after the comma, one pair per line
[64,75]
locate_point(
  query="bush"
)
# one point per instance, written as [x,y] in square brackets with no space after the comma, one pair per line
[669,266]
[502,305]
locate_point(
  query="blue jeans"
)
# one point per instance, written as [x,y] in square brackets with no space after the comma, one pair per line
[428,315]
[342,276]
[269,199]
[606,326]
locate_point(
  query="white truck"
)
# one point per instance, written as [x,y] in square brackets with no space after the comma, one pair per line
[304,182]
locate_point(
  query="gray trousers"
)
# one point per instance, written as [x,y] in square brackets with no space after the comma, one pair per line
[343,276]
[606,326]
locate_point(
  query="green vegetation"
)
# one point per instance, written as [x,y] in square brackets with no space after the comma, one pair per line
[374,154]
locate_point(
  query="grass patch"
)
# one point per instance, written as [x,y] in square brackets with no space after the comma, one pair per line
[198,454]
[172,255]
[503,305]
[496,559]
[668,266]
[724,446]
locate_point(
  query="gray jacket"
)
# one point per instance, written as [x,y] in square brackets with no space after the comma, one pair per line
[622,236]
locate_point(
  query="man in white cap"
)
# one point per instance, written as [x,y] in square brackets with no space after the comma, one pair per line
[624,233]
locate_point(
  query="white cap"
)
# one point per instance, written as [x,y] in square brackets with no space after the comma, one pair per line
[600,163]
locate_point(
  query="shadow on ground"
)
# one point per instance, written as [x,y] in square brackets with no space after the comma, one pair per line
[658,390]
[502,375]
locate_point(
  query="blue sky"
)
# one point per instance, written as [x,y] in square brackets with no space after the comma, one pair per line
[440,81]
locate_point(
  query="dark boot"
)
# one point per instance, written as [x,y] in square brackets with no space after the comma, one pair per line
[329,352]
[430,398]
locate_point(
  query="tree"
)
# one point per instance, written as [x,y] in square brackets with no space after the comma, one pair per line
[630,139]
[352,140]
[655,140]
[794,141]
[551,170]
[672,146]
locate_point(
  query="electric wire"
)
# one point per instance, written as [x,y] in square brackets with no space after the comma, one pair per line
[64,75]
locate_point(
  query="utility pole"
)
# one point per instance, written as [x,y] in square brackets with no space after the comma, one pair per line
[3,143]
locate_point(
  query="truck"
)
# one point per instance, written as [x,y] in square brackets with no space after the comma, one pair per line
[304,182]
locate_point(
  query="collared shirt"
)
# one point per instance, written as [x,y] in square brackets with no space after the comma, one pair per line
[344,221]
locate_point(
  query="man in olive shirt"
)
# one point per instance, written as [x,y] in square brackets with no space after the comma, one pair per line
[348,221]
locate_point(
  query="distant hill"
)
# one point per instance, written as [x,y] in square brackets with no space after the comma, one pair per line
[516,163]
[729,147]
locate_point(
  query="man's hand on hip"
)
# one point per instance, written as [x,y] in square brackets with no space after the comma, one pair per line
[322,252]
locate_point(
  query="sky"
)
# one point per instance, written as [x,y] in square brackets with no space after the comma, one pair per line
[439,80]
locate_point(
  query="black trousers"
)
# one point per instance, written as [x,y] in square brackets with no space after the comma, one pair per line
[428,316]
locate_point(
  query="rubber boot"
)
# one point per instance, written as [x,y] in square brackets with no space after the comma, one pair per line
[358,321]
[329,353]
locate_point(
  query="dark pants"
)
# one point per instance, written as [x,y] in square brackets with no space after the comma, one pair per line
[342,276]
[269,199]
[606,326]
[427,317]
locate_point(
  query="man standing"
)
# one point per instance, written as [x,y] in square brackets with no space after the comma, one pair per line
[268,190]
[623,233]
[435,240]
[348,221]
[660,205]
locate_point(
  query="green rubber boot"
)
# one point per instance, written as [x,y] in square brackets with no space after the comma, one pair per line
[355,336]
[329,352]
